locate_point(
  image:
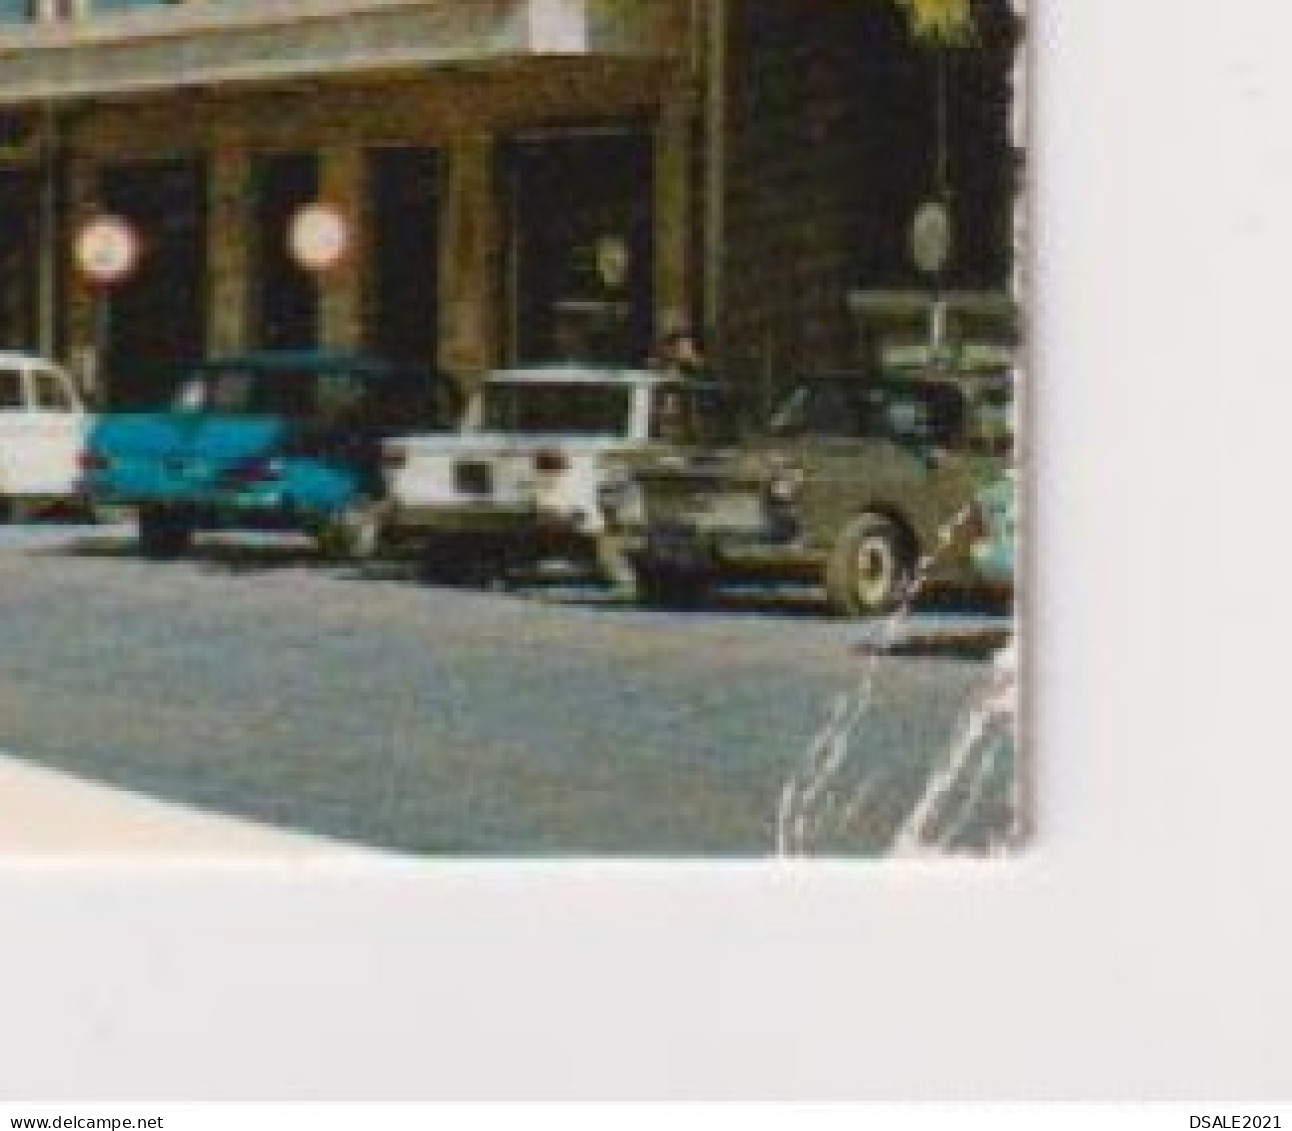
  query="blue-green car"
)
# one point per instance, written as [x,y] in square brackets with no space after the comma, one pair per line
[267,441]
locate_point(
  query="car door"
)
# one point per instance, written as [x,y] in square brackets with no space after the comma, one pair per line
[13,426]
[55,433]
[884,446]
[848,465]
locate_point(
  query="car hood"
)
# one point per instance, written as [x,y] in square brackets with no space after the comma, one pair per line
[751,463]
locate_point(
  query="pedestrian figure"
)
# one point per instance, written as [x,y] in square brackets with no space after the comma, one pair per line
[677,352]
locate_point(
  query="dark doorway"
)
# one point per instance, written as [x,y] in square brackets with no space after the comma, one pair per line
[287,307]
[19,260]
[155,315]
[581,277]
[405,243]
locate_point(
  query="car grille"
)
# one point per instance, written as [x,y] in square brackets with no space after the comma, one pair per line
[673,495]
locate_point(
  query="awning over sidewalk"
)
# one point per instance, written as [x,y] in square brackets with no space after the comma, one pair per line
[229,41]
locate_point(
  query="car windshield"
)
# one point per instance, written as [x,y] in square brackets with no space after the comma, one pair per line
[854,409]
[695,414]
[248,391]
[556,408]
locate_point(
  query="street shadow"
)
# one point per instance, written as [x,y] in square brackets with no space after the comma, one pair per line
[559,584]
[216,553]
[787,600]
[93,545]
[591,592]
[975,644]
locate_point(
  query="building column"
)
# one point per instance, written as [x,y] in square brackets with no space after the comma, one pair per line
[471,262]
[49,237]
[81,303]
[343,288]
[715,31]
[228,251]
[672,212]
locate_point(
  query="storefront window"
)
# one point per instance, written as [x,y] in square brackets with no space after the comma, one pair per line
[581,243]
[286,312]
[19,259]
[155,315]
[404,206]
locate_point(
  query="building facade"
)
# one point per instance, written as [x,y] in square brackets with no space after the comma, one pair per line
[518,180]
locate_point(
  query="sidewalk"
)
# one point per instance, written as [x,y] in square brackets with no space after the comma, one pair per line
[46,814]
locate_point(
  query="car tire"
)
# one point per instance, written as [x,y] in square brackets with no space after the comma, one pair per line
[869,568]
[353,535]
[666,587]
[449,561]
[163,533]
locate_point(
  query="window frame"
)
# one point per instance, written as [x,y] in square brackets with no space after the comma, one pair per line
[38,375]
[19,374]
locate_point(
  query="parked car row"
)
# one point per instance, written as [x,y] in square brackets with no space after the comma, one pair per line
[856,483]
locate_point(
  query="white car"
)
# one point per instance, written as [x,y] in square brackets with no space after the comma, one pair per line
[524,476]
[43,427]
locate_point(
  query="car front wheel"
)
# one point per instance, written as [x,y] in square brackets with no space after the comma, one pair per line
[352,535]
[869,569]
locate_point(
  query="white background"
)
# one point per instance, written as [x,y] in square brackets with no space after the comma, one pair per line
[1140,949]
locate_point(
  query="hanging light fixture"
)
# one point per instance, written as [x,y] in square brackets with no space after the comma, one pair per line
[945,22]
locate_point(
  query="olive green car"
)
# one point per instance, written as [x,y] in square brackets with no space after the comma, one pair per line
[862,484]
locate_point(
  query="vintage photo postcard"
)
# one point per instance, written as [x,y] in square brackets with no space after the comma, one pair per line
[511,428]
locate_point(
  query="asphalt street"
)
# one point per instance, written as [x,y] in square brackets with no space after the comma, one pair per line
[550,717]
